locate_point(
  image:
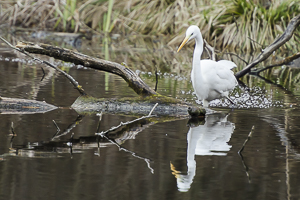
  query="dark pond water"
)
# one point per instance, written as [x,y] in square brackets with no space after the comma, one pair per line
[155,158]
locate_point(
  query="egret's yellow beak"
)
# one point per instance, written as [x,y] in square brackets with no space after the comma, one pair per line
[183,42]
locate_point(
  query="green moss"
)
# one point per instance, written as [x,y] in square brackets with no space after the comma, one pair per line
[91,105]
[148,99]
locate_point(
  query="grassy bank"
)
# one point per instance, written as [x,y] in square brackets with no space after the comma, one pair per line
[238,24]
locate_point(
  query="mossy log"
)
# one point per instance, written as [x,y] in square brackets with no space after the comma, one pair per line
[135,106]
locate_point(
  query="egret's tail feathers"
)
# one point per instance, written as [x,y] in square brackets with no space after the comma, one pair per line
[227,63]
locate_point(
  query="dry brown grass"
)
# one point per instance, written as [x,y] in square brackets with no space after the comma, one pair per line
[229,23]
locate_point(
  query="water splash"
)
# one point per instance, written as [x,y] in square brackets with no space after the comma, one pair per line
[256,97]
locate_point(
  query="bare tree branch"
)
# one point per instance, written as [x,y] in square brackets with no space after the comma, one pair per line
[233,54]
[133,80]
[129,122]
[211,49]
[285,61]
[20,49]
[272,47]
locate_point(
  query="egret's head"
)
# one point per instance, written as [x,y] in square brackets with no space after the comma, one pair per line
[190,34]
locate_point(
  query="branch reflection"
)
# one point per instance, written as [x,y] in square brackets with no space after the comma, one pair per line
[59,145]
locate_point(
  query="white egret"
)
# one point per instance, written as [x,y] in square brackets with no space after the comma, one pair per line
[211,80]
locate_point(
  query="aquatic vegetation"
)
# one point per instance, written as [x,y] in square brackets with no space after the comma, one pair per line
[251,26]
[68,15]
[242,24]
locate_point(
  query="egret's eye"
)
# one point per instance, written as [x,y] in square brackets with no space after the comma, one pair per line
[192,34]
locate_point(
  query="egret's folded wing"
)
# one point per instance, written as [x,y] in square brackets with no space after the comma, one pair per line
[226,63]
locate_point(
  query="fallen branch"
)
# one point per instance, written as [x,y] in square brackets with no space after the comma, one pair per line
[272,47]
[285,61]
[72,80]
[126,123]
[133,80]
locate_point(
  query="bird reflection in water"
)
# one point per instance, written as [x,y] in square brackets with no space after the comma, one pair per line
[208,139]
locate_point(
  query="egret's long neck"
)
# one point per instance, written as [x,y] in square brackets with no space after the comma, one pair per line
[198,51]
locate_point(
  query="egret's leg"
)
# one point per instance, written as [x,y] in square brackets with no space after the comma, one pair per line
[205,103]
[205,106]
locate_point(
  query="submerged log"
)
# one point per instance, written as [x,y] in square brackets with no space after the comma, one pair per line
[135,106]
[23,106]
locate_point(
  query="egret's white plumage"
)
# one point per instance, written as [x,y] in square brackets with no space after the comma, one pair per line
[211,80]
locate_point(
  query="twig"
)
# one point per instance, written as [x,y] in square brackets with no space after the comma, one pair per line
[233,54]
[72,80]
[149,115]
[100,118]
[156,75]
[98,128]
[240,153]
[70,127]
[246,167]
[13,132]
[207,46]
[43,74]
[206,49]
[57,129]
[156,80]
[126,123]
[256,43]
[248,138]
[70,144]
